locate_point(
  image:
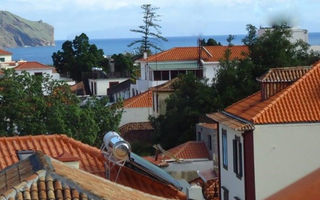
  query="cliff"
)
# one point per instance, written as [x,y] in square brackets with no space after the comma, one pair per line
[18,32]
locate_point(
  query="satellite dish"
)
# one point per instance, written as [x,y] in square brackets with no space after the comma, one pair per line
[117,146]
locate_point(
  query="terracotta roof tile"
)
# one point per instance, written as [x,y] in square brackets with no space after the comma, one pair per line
[189,150]
[208,53]
[209,125]
[296,103]
[284,74]
[166,87]
[306,188]
[135,126]
[31,65]
[39,177]
[3,52]
[91,160]
[141,100]
[210,189]
[230,122]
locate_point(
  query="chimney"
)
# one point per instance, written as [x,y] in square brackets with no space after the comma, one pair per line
[69,159]
[195,192]
[145,55]
[276,79]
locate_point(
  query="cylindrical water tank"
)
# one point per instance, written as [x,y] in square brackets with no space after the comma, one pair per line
[117,145]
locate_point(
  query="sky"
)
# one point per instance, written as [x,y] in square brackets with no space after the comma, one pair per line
[114,18]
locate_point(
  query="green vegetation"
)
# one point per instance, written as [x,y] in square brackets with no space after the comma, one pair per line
[79,57]
[209,42]
[32,105]
[16,31]
[236,79]
[149,30]
[191,99]
[123,64]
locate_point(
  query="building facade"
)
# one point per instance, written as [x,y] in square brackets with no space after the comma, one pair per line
[167,65]
[270,139]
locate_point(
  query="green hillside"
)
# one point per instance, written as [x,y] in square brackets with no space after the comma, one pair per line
[16,31]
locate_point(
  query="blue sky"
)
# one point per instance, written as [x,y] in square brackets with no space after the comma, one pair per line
[114,18]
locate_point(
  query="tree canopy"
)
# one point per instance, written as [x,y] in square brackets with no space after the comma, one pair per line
[32,105]
[149,30]
[209,42]
[79,56]
[191,99]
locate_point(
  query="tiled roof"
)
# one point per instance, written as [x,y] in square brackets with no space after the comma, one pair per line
[210,189]
[78,86]
[3,52]
[299,102]
[91,160]
[141,100]
[209,125]
[306,188]
[165,87]
[189,150]
[230,122]
[135,126]
[284,74]
[31,65]
[208,53]
[39,177]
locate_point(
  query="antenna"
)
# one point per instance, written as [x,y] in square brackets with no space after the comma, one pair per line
[199,52]
[116,151]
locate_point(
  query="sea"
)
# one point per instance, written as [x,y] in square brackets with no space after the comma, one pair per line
[43,54]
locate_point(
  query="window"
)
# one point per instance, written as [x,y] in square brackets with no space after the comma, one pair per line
[237,198]
[225,193]
[38,73]
[199,136]
[92,88]
[210,142]
[95,88]
[224,149]
[165,75]
[157,101]
[174,74]
[1,59]
[157,75]
[237,157]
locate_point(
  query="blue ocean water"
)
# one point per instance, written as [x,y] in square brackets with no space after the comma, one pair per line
[115,46]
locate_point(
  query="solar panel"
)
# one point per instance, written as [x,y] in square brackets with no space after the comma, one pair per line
[153,170]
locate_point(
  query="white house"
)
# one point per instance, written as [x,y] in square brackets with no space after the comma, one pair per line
[207,132]
[202,61]
[296,34]
[270,139]
[99,86]
[5,56]
[35,68]
[137,109]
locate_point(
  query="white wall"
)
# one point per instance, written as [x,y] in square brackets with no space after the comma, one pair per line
[130,115]
[7,58]
[210,71]
[55,76]
[229,178]
[205,132]
[103,84]
[283,154]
